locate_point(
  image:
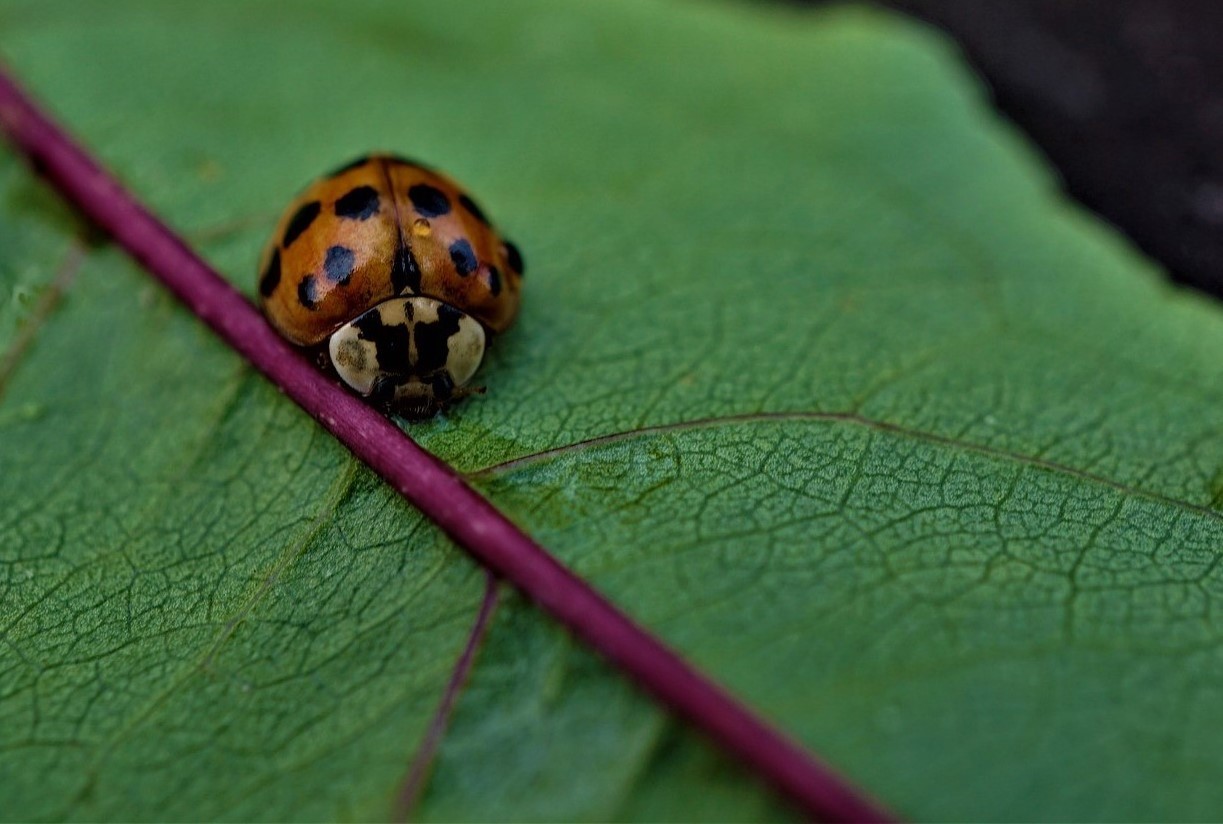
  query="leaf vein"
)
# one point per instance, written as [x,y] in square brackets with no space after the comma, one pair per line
[853,419]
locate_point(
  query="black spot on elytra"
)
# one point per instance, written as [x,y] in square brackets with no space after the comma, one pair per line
[463,257]
[339,264]
[307,292]
[390,342]
[432,339]
[514,257]
[300,222]
[359,204]
[473,207]
[428,200]
[494,281]
[271,276]
[405,272]
[348,167]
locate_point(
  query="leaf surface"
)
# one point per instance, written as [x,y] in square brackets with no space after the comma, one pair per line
[817,376]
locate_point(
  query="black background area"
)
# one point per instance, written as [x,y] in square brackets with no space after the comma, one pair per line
[1125,98]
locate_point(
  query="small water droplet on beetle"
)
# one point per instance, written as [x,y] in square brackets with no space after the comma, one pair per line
[421,227]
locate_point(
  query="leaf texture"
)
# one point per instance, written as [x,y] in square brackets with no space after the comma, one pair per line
[817,375]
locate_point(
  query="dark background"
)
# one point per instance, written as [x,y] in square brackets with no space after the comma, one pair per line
[1125,97]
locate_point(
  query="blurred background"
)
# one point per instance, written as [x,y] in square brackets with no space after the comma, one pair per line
[816,377]
[1126,99]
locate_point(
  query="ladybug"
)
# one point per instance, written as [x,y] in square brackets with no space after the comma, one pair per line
[394,278]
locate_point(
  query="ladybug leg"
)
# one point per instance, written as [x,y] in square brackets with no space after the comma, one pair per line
[454,394]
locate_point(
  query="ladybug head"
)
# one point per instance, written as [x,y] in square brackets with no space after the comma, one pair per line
[412,355]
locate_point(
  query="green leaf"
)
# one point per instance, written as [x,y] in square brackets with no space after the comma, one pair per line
[817,375]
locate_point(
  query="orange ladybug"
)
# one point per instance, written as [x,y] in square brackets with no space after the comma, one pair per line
[396,277]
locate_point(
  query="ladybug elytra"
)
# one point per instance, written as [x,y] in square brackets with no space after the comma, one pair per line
[395,277]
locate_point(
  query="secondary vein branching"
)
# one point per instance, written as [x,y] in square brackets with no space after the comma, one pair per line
[524,461]
[422,763]
[46,304]
[339,491]
[430,485]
